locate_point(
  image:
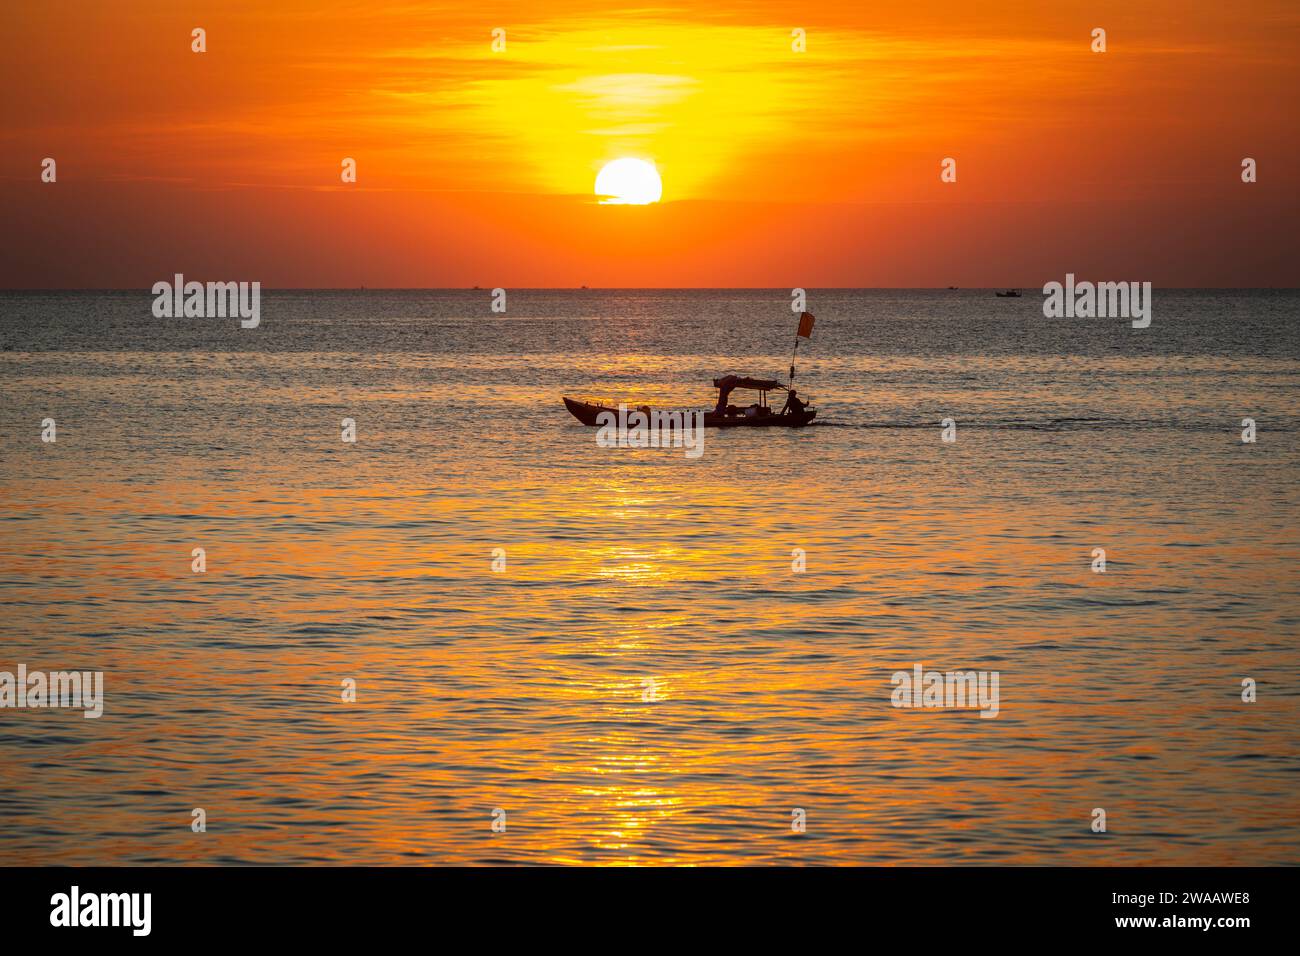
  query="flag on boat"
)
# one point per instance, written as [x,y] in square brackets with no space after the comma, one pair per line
[806,320]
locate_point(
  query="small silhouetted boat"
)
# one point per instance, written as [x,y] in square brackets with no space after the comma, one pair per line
[724,415]
[1009,294]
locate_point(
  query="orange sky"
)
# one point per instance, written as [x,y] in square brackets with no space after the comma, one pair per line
[779,168]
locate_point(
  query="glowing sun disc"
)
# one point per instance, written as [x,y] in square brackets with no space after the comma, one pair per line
[631,182]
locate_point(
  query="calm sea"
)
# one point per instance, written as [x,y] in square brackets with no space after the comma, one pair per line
[648,680]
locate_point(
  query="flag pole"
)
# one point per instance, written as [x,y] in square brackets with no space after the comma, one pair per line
[802,331]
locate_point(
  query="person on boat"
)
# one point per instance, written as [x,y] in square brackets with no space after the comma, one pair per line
[793,406]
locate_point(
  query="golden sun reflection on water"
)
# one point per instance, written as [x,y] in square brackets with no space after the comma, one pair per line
[526,689]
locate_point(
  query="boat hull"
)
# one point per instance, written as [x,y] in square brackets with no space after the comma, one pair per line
[587,413]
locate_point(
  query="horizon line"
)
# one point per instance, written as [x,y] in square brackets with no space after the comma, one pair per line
[147,290]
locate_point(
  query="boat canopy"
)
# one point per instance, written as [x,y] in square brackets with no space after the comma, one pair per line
[729,382]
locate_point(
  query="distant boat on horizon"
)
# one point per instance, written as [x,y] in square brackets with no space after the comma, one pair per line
[1009,294]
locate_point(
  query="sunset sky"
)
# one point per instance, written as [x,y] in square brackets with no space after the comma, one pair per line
[779,168]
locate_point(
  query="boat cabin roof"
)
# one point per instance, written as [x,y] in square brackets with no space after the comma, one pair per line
[730,382]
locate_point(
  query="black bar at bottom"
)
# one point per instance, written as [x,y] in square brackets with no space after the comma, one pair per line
[909,905]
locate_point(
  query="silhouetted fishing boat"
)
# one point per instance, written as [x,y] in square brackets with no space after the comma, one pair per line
[793,413]
[1009,294]
[724,415]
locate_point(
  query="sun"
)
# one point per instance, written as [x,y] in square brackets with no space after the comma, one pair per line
[629,182]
